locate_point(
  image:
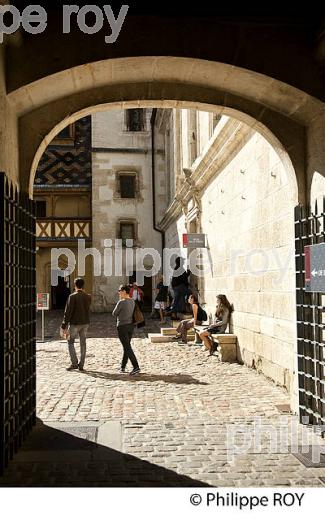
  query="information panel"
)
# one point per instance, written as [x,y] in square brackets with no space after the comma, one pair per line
[43,301]
[315,268]
[194,240]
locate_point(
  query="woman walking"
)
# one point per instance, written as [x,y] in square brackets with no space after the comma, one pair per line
[219,326]
[124,313]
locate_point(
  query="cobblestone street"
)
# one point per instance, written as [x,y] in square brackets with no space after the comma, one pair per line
[167,426]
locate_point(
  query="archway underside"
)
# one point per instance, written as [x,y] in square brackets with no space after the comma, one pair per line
[277,110]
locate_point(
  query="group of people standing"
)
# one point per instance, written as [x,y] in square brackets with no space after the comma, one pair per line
[77,316]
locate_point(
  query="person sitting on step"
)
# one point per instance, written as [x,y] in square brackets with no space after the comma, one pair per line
[199,315]
[220,323]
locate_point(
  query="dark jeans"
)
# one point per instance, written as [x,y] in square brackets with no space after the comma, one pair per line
[179,299]
[125,335]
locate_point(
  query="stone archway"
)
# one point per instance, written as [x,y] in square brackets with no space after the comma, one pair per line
[280,112]
[48,104]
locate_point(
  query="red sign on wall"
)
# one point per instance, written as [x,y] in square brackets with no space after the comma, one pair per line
[307,268]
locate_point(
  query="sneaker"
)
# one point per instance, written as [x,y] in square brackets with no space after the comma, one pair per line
[81,369]
[122,371]
[72,367]
[176,337]
[134,371]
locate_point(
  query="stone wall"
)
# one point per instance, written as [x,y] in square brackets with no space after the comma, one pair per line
[43,270]
[8,128]
[115,150]
[247,213]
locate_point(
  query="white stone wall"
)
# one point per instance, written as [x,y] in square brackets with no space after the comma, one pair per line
[317,190]
[248,216]
[108,208]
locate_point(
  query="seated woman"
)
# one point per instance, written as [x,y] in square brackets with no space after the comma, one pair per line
[221,320]
[199,315]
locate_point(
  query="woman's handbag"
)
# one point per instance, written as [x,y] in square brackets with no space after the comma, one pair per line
[138,318]
[213,329]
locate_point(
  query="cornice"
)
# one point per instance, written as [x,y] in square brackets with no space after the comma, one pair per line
[218,153]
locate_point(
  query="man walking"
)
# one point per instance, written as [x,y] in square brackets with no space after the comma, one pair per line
[76,315]
[124,313]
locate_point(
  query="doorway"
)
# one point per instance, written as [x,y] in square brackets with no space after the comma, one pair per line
[60,293]
[147,291]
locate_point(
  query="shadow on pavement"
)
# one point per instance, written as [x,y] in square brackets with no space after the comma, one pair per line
[182,379]
[54,458]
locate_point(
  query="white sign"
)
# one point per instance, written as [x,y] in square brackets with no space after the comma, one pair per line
[43,301]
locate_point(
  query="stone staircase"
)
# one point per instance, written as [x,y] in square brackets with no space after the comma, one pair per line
[167,333]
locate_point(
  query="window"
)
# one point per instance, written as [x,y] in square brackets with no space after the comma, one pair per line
[40,208]
[127,231]
[216,119]
[135,120]
[127,186]
[66,135]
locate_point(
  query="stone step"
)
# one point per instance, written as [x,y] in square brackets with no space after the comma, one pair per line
[168,331]
[159,338]
[171,331]
[225,338]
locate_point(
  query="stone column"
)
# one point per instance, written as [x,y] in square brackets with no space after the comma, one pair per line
[316,159]
[8,129]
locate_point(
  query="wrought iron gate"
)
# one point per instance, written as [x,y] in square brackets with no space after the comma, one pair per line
[17,319]
[309,230]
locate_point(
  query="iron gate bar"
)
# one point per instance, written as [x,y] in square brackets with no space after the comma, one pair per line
[310,230]
[2,328]
[18,326]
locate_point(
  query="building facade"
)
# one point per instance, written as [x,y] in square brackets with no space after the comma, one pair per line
[123,203]
[62,191]
[229,183]
[141,179]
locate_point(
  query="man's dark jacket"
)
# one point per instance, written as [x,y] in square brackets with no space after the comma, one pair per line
[77,309]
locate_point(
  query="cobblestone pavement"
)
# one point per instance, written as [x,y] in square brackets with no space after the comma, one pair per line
[173,420]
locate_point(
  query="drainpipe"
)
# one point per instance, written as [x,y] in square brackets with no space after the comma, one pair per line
[153,183]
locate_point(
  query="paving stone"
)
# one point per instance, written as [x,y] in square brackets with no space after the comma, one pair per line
[175,416]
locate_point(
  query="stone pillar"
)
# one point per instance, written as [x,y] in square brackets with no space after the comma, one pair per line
[8,129]
[316,159]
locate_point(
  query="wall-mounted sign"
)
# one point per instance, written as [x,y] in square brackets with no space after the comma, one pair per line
[43,301]
[315,268]
[194,240]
